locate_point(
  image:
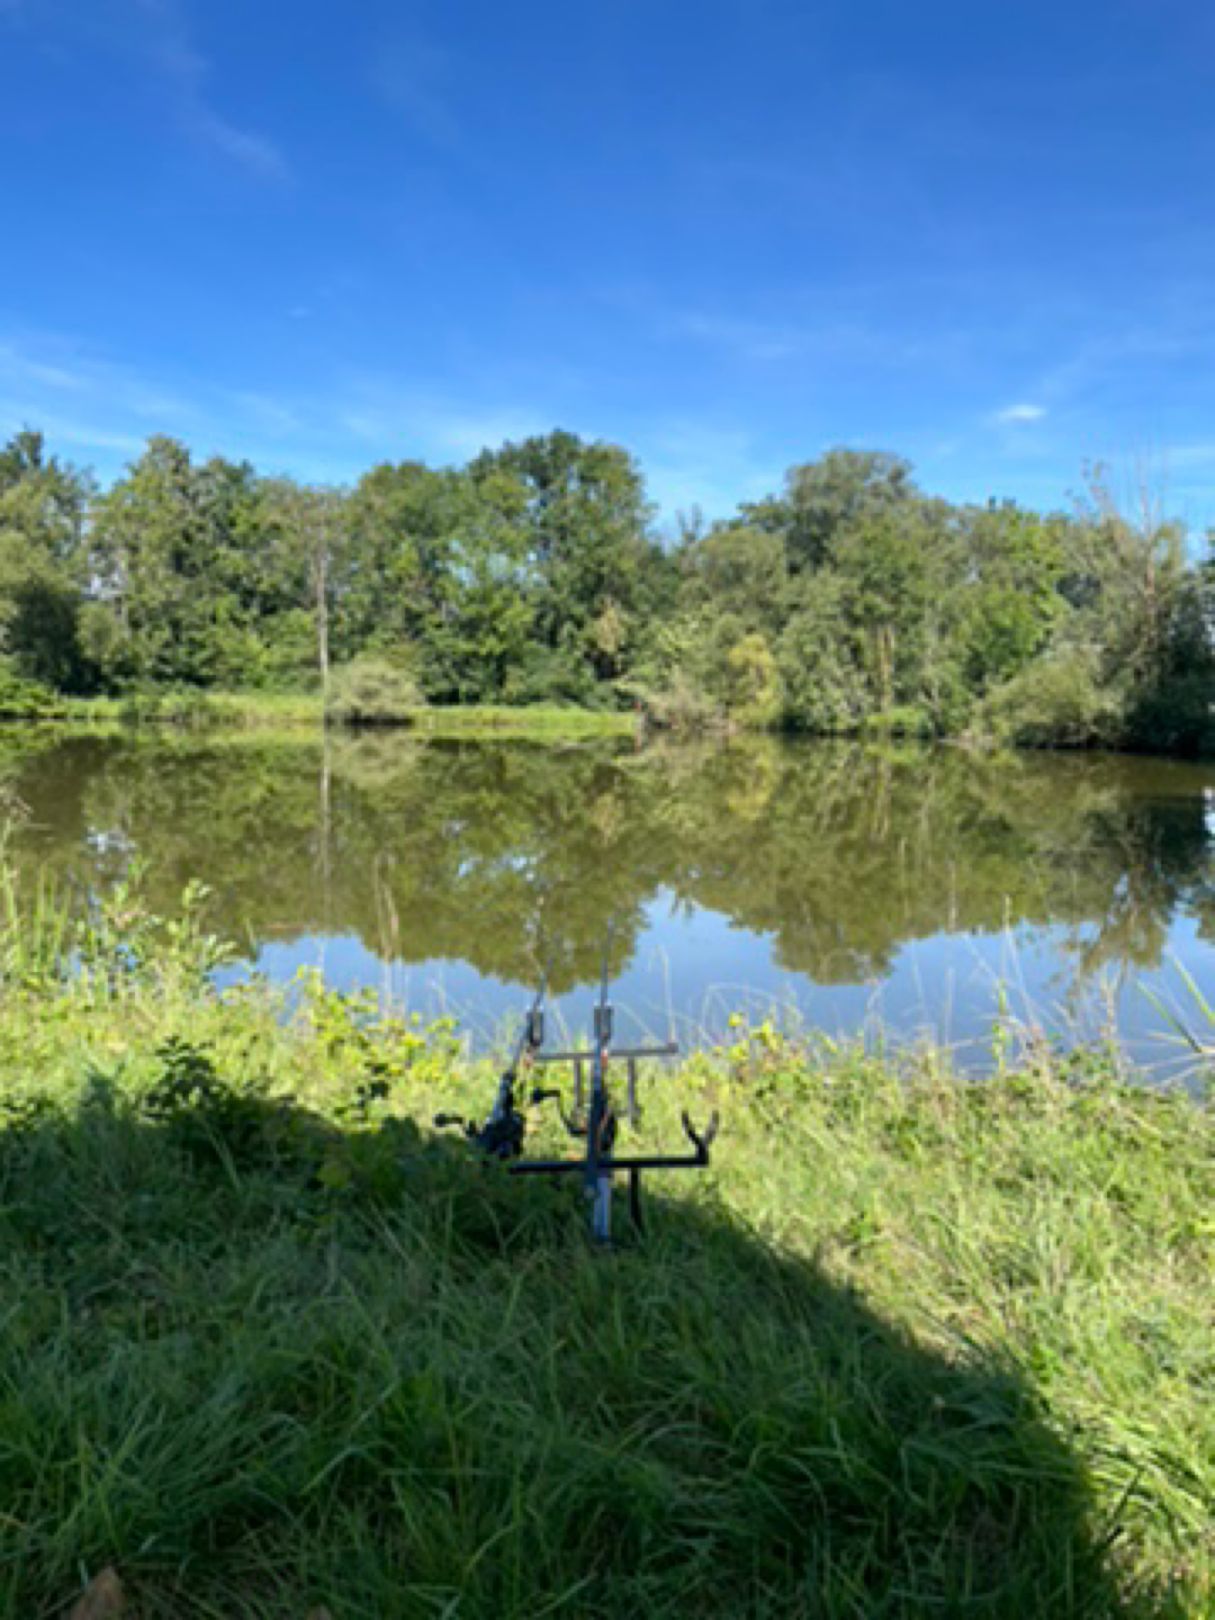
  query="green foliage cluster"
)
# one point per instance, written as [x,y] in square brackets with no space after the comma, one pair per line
[372,691]
[271,1345]
[22,699]
[851,601]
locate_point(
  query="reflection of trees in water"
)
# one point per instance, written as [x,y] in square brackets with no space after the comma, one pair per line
[475,851]
[859,852]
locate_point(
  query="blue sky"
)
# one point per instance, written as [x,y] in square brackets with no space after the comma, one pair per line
[726,234]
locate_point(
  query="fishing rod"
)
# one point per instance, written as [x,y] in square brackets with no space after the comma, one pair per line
[500,1135]
[594,1119]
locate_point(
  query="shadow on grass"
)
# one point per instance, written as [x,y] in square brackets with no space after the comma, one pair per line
[261,1364]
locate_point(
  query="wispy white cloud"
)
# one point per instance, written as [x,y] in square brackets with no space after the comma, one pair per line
[99,406]
[44,367]
[254,153]
[271,415]
[170,47]
[1024,411]
[415,77]
[419,423]
[92,401]
[751,340]
[1122,352]
[710,466]
[19,367]
[79,435]
[464,433]
[796,332]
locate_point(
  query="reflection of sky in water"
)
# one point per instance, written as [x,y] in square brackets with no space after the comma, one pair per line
[693,968]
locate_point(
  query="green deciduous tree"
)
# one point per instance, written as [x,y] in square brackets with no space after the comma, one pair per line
[43,507]
[175,559]
[594,570]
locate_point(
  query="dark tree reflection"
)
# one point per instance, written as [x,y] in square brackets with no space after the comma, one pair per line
[499,854]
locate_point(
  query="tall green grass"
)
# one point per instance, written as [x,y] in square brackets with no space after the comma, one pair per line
[914,1347]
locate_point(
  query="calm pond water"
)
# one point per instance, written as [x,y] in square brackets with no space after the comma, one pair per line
[847,888]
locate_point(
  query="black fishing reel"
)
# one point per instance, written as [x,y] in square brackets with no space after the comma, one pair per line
[501,1135]
[498,1137]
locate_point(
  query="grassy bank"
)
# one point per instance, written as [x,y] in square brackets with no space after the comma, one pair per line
[549,723]
[262,710]
[912,1347]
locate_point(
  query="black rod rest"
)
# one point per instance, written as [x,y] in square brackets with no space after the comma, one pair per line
[593,1118]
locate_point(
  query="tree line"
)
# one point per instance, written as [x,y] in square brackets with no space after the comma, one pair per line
[849,601]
